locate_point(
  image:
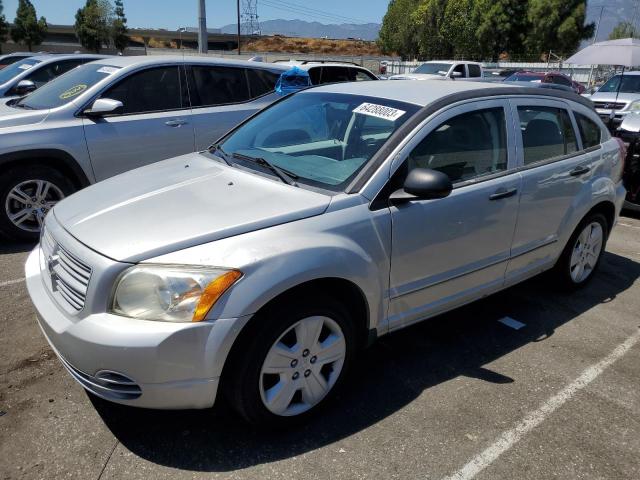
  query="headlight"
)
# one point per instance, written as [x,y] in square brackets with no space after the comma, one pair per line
[634,106]
[171,293]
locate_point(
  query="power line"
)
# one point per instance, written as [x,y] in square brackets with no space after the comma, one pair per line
[307,12]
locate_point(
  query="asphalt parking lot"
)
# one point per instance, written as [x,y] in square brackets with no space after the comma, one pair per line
[462,396]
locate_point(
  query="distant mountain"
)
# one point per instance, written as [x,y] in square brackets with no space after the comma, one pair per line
[300,28]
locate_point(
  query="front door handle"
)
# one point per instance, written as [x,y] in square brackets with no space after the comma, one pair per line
[579,170]
[503,193]
[178,122]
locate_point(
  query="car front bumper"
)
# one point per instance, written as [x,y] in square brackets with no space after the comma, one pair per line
[135,362]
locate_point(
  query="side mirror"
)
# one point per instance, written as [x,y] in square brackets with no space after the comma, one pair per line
[24,86]
[423,184]
[456,74]
[103,106]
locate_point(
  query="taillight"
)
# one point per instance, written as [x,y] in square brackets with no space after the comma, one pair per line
[623,155]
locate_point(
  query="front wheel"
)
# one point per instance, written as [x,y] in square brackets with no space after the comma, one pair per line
[293,363]
[581,257]
[26,196]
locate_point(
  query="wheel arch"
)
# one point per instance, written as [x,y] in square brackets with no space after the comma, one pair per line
[350,294]
[58,159]
[606,208]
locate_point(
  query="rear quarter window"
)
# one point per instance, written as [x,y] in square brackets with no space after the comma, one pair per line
[589,131]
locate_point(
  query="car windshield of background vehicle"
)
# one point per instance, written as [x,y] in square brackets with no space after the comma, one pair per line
[323,139]
[630,84]
[433,68]
[524,78]
[67,87]
[16,69]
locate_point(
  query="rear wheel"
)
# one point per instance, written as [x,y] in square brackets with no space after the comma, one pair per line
[293,363]
[581,257]
[26,196]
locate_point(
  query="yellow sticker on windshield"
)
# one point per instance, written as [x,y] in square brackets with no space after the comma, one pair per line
[73,91]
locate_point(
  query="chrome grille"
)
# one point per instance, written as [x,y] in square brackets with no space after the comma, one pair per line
[610,105]
[69,276]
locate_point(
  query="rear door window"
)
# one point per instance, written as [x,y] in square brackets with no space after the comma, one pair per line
[152,90]
[590,131]
[212,86]
[547,133]
[315,75]
[559,79]
[261,82]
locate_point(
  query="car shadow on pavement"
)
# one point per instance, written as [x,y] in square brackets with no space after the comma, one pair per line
[387,377]
[15,247]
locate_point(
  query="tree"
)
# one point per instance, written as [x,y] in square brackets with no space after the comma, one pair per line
[624,30]
[93,24]
[427,22]
[27,28]
[3,26]
[557,25]
[459,27]
[396,33]
[119,28]
[500,26]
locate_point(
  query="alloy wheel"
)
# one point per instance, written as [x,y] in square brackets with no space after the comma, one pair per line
[28,202]
[586,252]
[302,366]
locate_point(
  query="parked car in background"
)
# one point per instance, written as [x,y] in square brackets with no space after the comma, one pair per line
[546,77]
[443,69]
[258,269]
[321,72]
[26,75]
[629,132]
[10,58]
[113,115]
[617,97]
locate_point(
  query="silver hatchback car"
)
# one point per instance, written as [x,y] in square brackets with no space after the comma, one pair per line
[341,213]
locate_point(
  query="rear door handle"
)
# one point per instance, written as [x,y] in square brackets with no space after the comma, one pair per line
[503,193]
[579,170]
[175,123]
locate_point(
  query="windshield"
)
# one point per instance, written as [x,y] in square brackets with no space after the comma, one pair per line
[323,139]
[67,87]
[524,77]
[433,68]
[15,69]
[630,84]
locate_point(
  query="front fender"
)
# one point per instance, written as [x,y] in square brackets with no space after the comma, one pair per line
[276,259]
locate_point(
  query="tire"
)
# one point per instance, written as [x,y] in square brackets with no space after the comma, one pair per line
[18,189]
[258,393]
[574,257]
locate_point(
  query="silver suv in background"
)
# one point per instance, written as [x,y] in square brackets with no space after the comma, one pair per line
[109,116]
[28,74]
[343,212]
[619,96]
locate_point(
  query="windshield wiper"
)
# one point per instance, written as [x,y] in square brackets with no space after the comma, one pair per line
[223,155]
[21,105]
[286,176]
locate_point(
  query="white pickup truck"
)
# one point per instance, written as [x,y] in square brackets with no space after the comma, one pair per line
[443,69]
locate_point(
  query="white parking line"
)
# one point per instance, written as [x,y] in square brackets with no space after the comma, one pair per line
[509,438]
[11,282]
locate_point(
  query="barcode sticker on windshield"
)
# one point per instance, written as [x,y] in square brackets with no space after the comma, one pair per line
[380,111]
[108,70]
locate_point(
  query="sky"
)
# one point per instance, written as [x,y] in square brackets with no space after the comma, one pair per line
[172,14]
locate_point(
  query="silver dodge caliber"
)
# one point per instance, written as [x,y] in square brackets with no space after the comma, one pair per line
[260,267]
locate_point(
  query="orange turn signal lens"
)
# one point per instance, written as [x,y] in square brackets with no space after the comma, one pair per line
[213,292]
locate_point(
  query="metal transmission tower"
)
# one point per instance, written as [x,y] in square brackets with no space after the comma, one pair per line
[249,18]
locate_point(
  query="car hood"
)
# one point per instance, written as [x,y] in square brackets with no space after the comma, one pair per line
[15,117]
[610,97]
[179,203]
[417,76]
